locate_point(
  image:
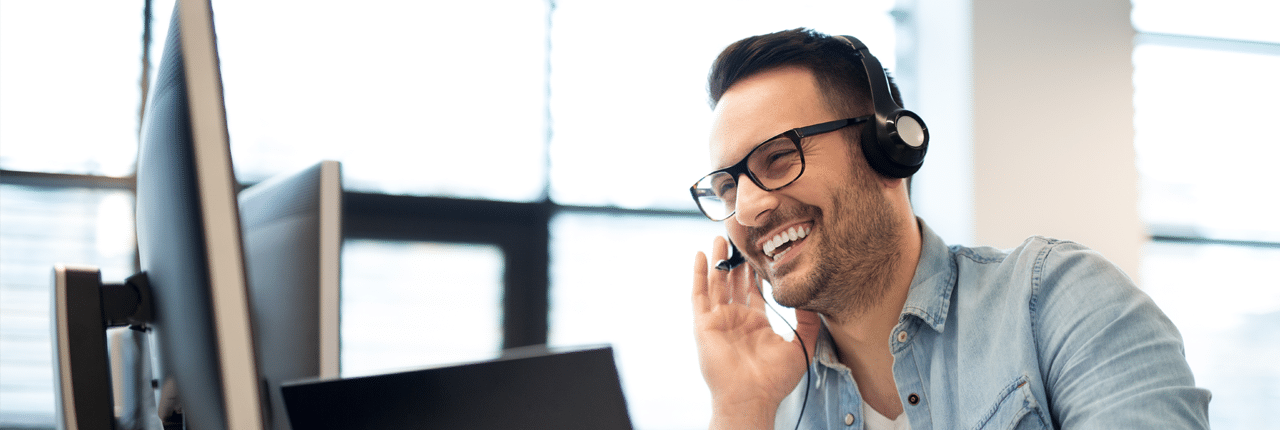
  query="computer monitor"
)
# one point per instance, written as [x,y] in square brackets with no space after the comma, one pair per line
[293,240]
[193,296]
[189,237]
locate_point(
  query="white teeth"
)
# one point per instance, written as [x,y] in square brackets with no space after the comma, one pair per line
[791,234]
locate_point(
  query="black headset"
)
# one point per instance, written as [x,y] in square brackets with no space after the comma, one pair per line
[896,143]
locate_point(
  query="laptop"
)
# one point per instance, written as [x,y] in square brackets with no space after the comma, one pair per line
[526,388]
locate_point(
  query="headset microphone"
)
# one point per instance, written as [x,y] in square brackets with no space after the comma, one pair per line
[735,259]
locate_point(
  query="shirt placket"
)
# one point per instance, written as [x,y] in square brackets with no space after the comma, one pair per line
[907,374]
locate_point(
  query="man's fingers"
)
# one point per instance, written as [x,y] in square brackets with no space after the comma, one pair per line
[719,248]
[755,289]
[701,303]
[717,280]
[740,285]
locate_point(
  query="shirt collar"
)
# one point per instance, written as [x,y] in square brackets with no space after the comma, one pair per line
[930,295]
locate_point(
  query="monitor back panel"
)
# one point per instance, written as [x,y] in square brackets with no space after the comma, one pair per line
[566,390]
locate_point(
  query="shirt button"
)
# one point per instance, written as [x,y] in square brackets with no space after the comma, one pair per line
[848,419]
[902,336]
[913,399]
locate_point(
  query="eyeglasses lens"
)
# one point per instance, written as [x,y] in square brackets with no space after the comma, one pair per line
[775,163]
[717,195]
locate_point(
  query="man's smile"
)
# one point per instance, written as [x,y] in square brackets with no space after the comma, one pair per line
[782,241]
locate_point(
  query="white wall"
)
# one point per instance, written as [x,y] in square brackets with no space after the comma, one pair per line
[1050,123]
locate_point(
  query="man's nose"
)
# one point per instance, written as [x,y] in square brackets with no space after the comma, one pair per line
[753,202]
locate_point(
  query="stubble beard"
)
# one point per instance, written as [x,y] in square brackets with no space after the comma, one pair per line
[854,256]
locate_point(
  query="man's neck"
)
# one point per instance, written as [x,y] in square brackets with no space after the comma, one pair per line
[862,342]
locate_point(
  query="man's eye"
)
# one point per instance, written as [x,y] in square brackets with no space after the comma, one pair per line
[783,155]
[725,188]
[772,154]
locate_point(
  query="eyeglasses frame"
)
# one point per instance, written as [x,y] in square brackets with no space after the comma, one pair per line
[795,135]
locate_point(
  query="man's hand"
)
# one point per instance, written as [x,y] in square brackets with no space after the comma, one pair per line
[748,366]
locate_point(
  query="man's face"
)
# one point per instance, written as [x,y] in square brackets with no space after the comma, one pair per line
[837,204]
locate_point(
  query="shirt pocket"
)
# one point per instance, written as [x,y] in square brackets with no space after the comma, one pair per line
[1016,409]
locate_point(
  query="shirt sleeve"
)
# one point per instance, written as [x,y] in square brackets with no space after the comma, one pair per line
[1111,359]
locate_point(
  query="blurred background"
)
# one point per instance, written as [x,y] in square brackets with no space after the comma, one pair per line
[1144,129]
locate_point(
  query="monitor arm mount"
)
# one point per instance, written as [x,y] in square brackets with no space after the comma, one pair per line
[83,309]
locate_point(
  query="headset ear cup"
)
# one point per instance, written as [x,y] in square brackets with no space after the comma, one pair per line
[895,147]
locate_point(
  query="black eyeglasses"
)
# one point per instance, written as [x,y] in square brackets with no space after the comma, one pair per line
[771,165]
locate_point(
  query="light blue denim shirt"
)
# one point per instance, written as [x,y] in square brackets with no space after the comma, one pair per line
[1046,335]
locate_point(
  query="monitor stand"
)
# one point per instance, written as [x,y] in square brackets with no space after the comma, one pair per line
[83,309]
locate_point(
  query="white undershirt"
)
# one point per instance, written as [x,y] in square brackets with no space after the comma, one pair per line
[875,421]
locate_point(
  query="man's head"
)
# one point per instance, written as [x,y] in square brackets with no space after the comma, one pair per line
[851,217]
[897,141]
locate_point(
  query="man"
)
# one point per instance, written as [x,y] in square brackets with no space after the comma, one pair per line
[897,329]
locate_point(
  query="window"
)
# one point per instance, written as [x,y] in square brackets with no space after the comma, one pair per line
[628,88]
[448,304]
[1200,114]
[1204,91]
[611,284]
[68,105]
[1227,307]
[40,227]
[71,98]
[412,97]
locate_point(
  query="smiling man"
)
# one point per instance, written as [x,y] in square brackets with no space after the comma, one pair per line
[811,151]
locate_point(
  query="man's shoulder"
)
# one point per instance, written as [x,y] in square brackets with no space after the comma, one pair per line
[1038,266]
[1034,247]
[1034,253]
